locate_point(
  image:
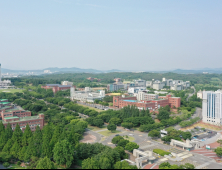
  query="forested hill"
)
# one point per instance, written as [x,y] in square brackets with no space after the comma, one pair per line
[108,77]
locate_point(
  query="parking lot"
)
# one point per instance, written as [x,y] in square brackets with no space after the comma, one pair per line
[201,133]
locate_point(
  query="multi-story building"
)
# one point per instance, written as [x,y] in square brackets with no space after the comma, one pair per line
[67,83]
[146,96]
[212,107]
[57,87]
[115,86]
[120,102]
[132,90]
[16,115]
[86,95]
[157,85]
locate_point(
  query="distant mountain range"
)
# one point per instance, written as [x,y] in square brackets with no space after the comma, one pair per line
[79,70]
[57,70]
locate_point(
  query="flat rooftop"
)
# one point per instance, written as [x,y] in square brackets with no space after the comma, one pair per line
[58,85]
[21,119]
[3,100]
[130,101]
[15,117]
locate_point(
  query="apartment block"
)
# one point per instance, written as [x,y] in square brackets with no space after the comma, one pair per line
[212,107]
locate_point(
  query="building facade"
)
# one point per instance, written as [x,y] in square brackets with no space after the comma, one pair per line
[152,105]
[16,115]
[212,107]
[57,87]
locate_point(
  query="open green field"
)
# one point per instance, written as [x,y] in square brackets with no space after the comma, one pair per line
[94,128]
[108,133]
[11,90]
[91,108]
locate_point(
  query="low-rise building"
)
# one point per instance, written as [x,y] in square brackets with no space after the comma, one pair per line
[200,94]
[16,115]
[57,87]
[120,102]
[67,83]
[87,95]
[132,90]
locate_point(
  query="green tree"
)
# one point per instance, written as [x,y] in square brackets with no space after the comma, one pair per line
[26,136]
[123,143]
[111,127]
[31,150]
[17,135]
[154,133]
[73,137]
[63,153]
[8,146]
[3,140]
[6,164]
[116,139]
[127,125]
[164,165]
[121,151]
[115,121]
[131,145]
[2,128]
[163,114]
[21,154]
[38,141]
[5,157]
[105,163]
[8,131]
[98,122]
[218,151]
[90,163]
[124,165]
[47,136]
[55,137]
[45,163]
[189,166]
[14,151]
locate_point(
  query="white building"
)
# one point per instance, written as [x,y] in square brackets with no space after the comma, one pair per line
[176,87]
[212,107]
[87,95]
[132,90]
[47,71]
[149,83]
[200,94]
[4,83]
[67,83]
[146,97]
[157,85]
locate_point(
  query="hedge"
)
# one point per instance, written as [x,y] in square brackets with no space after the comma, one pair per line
[161,152]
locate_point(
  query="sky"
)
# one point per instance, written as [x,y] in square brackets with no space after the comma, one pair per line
[140,35]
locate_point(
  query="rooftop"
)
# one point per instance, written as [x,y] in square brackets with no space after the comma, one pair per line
[22,119]
[58,85]
[3,100]
[11,117]
[130,101]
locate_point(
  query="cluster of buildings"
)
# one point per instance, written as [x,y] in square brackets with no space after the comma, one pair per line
[155,84]
[146,101]
[173,84]
[118,85]
[212,107]
[4,83]
[12,114]
[86,95]
[92,79]
[65,85]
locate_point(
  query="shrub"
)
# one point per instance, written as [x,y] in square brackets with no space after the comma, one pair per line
[19,163]
[6,164]
[161,152]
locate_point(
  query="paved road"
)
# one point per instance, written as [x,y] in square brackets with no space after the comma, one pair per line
[190,95]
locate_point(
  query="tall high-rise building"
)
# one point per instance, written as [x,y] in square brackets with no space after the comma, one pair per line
[212,107]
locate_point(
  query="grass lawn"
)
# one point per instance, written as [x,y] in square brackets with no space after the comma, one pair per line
[131,139]
[108,133]
[15,166]
[11,90]
[206,126]
[95,128]
[98,110]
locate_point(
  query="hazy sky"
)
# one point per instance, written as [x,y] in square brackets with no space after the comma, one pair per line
[115,34]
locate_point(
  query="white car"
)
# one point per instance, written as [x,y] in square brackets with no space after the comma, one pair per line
[131,134]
